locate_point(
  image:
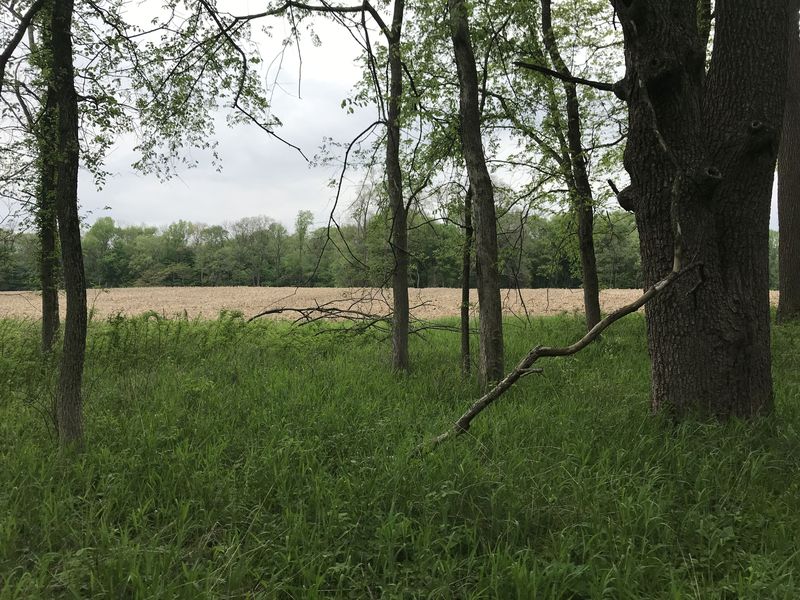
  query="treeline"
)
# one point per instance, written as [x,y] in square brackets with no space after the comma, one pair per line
[535,251]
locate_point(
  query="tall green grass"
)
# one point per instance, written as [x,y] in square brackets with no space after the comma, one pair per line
[228,460]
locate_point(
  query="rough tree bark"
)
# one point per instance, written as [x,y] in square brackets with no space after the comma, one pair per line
[466,268]
[581,189]
[490,308]
[789,188]
[47,228]
[44,131]
[705,144]
[65,156]
[394,181]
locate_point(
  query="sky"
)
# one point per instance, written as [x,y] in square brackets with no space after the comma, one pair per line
[260,175]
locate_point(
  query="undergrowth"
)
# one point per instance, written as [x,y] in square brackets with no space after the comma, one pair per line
[229,460]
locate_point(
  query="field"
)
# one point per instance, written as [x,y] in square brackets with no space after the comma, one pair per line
[207,302]
[234,460]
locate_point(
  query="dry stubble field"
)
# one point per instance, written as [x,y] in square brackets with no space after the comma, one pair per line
[207,302]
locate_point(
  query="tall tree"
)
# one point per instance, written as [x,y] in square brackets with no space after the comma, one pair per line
[490,308]
[46,223]
[582,200]
[301,224]
[35,114]
[392,99]
[65,156]
[394,182]
[789,187]
[466,269]
[701,155]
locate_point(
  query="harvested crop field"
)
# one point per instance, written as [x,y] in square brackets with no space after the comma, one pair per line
[208,302]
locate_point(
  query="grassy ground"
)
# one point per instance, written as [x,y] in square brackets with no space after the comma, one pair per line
[232,460]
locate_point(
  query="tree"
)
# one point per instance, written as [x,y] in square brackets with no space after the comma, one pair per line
[171,77]
[65,157]
[276,236]
[46,223]
[582,200]
[617,243]
[18,33]
[210,254]
[774,242]
[789,188]
[35,178]
[483,209]
[701,155]
[97,246]
[466,268]
[389,103]
[302,222]
[251,248]
[398,240]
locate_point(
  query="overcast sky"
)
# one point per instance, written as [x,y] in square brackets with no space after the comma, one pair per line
[260,176]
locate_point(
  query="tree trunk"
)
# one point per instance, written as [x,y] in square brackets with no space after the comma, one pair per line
[701,155]
[466,261]
[65,157]
[582,201]
[789,190]
[47,227]
[490,308]
[584,211]
[394,181]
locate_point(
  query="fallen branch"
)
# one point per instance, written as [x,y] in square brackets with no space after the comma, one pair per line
[314,313]
[525,365]
[361,321]
[349,310]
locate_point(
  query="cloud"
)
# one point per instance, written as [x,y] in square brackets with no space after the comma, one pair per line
[260,175]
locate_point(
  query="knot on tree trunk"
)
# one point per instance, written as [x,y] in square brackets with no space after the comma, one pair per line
[627,198]
[622,88]
[657,70]
[761,137]
[706,179]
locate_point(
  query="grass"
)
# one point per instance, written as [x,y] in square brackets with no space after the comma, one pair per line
[227,460]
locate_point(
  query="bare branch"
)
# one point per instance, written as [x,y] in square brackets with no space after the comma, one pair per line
[525,366]
[598,85]
[324,7]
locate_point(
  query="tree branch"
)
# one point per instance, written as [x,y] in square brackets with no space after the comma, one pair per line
[525,365]
[322,8]
[598,85]
[24,22]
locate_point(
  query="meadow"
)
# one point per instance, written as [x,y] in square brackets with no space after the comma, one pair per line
[235,460]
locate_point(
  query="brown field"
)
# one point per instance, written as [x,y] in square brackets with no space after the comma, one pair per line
[207,302]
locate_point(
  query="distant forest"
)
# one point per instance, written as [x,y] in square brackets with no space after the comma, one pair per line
[536,252]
